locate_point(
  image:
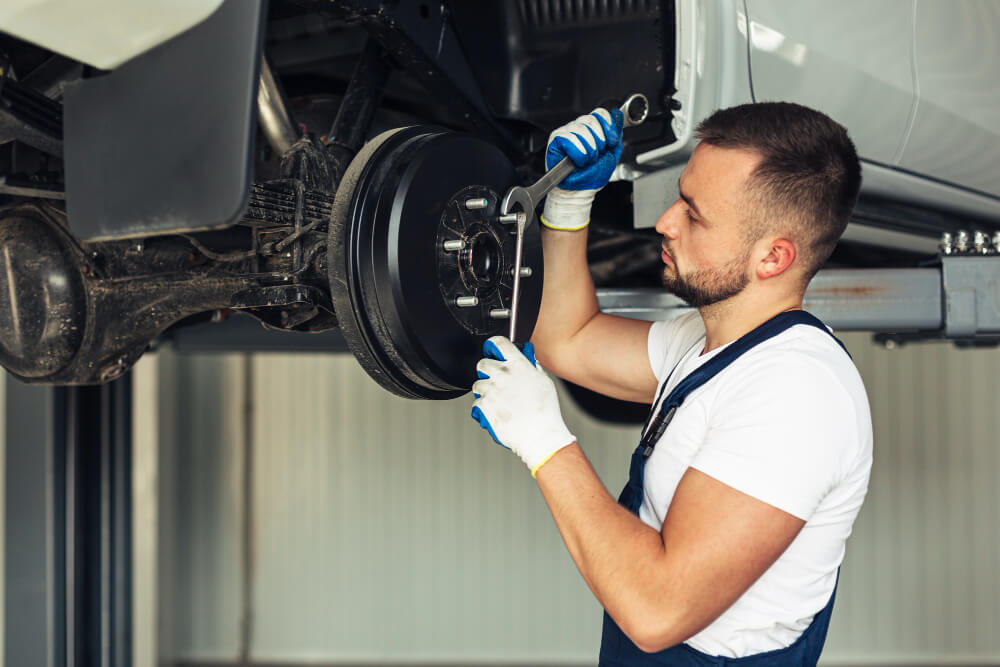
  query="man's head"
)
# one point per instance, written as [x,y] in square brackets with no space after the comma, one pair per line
[781,178]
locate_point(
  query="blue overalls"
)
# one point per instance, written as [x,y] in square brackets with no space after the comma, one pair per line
[616,648]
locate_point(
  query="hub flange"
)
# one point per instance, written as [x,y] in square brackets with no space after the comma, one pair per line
[414,310]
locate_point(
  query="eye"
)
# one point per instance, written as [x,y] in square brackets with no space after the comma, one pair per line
[691,218]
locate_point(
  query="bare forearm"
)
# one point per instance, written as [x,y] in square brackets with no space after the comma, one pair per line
[568,298]
[619,557]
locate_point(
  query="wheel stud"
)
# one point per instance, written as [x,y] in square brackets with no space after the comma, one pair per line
[476,204]
[467,301]
[454,245]
[500,314]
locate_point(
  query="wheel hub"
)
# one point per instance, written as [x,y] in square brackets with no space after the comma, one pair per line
[476,277]
[421,269]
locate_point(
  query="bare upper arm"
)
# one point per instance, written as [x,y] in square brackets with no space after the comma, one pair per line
[717,542]
[608,355]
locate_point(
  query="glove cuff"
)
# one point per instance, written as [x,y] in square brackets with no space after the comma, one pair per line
[539,456]
[567,210]
[535,469]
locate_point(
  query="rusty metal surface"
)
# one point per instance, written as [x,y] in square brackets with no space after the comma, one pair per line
[877,299]
[84,313]
[846,299]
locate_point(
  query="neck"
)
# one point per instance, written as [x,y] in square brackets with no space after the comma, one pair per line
[728,320]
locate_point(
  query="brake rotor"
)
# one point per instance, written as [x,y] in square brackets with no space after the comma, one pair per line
[421,268]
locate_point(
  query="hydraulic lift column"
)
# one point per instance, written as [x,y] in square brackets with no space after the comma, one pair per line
[68,525]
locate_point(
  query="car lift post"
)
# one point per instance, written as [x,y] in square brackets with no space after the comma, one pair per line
[68,525]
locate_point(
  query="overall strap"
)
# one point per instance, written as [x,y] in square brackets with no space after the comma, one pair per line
[616,648]
[714,366]
[769,329]
[631,496]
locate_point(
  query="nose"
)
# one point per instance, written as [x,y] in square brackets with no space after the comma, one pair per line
[669,223]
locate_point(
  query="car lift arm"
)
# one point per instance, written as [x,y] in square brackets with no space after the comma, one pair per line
[958,301]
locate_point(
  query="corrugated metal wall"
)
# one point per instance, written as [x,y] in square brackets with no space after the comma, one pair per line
[388,530]
[427,540]
[202,543]
[922,583]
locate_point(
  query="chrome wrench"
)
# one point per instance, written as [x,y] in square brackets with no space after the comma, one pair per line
[635,109]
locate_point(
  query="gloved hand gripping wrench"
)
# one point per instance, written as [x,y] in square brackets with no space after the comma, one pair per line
[519,203]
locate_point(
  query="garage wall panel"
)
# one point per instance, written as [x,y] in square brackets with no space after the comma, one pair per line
[921,581]
[389,529]
[202,542]
[146,414]
[385,530]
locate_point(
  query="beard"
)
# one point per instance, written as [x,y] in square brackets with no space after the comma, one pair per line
[708,286]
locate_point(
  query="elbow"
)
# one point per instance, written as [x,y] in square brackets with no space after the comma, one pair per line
[549,360]
[654,633]
[553,357]
[654,646]
[654,643]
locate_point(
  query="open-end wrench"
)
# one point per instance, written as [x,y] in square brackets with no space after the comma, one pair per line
[518,205]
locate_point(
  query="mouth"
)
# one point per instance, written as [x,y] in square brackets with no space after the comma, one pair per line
[665,256]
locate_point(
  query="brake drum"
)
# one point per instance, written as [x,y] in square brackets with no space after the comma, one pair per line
[413,308]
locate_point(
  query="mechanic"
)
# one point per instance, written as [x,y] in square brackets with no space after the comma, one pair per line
[726,544]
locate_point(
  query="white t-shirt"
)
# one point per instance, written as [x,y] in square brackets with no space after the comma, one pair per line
[788,423]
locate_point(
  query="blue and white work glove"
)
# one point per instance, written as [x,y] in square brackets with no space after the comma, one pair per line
[594,144]
[516,402]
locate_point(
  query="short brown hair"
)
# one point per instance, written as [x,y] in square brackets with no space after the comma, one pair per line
[809,174]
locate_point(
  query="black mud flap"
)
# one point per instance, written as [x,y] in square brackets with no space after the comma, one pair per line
[164,143]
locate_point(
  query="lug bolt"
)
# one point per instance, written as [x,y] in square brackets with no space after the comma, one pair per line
[946,244]
[476,204]
[467,301]
[962,241]
[520,217]
[500,314]
[980,242]
[454,245]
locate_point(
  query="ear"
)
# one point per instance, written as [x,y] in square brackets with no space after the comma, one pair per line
[780,256]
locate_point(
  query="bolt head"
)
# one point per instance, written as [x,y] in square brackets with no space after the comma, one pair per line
[962,241]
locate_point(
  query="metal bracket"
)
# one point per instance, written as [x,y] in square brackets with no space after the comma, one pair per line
[847,299]
[28,116]
[971,295]
[960,301]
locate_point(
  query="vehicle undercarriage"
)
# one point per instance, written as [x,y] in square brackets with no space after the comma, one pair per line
[178,189]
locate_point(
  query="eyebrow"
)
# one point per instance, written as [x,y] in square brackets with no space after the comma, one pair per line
[688,200]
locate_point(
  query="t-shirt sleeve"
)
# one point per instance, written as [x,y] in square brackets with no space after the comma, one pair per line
[668,340]
[783,432]
[656,346]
